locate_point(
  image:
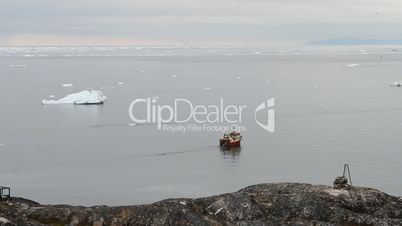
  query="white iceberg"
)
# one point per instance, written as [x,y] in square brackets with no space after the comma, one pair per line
[120,83]
[396,84]
[353,65]
[84,97]
[67,85]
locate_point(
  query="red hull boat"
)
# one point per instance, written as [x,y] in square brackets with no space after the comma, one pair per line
[230,140]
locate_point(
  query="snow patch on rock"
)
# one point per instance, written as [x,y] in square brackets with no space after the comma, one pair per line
[336,192]
[4,220]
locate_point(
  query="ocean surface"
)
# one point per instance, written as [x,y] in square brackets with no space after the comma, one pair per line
[326,114]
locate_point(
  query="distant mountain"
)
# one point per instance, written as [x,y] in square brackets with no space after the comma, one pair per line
[351,41]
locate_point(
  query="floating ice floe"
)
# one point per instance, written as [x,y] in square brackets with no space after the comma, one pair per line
[353,65]
[174,76]
[207,88]
[18,66]
[120,83]
[396,84]
[106,87]
[52,96]
[238,78]
[67,85]
[85,97]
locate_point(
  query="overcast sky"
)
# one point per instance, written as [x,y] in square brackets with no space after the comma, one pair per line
[195,22]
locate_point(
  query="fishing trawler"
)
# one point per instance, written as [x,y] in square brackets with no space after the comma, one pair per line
[230,140]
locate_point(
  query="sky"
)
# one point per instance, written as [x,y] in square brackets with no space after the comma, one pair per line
[195,22]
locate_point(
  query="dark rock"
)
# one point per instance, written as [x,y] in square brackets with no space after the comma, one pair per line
[341,183]
[264,204]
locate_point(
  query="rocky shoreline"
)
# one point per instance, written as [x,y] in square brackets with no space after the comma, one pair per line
[263,204]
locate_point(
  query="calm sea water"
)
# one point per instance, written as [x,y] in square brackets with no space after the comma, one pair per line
[327,114]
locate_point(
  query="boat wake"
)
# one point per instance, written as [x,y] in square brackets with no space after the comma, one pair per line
[205,148]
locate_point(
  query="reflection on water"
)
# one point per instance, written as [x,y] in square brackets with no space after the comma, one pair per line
[72,114]
[232,152]
[231,155]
